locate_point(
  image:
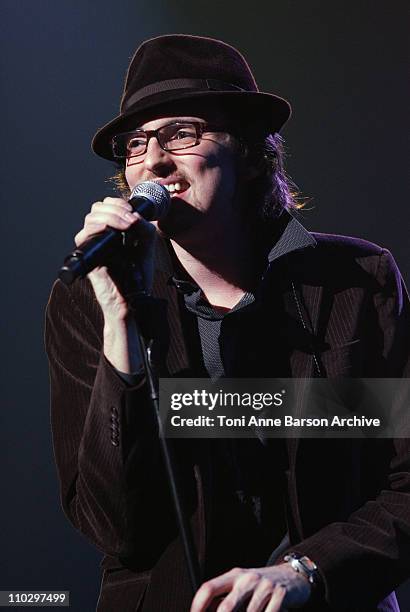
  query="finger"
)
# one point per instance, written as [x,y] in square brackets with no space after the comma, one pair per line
[206,594]
[213,607]
[261,596]
[109,212]
[243,588]
[113,216]
[116,219]
[115,201]
[111,204]
[92,228]
[211,589]
[278,595]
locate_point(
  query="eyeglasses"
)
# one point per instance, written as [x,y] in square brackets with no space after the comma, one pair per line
[171,137]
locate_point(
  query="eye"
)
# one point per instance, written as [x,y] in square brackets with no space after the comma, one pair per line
[136,143]
[183,133]
[178,136]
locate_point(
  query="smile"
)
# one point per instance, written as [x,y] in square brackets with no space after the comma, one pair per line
[178,187]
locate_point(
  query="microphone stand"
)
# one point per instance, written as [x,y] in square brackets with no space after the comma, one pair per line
[139,300]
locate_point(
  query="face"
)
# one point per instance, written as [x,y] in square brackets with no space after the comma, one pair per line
[207,175]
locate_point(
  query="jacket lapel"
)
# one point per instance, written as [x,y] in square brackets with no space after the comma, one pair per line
[177,359]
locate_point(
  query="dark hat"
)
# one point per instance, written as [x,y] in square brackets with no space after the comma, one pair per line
[178,67]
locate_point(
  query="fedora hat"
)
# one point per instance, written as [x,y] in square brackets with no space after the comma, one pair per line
[178,67]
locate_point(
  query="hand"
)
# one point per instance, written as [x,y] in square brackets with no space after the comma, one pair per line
[267,589]
[121,346]
[117,213]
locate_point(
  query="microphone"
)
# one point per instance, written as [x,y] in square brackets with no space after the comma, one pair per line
[149,199]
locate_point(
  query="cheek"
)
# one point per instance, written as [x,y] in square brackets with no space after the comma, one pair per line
[133,174]
[217,175]
[129,179]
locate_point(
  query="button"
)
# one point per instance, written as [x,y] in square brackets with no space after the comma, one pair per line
[114,426]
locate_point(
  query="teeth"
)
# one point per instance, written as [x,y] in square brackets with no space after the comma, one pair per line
[173,187]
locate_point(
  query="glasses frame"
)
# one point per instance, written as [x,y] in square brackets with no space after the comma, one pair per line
[200,128]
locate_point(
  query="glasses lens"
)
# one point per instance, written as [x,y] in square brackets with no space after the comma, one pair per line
[178,136]
[129,144]
[136,144]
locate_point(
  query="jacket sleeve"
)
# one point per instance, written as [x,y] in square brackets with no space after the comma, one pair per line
[363,559]
[104,433]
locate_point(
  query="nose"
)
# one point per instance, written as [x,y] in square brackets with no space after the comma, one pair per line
[156,159]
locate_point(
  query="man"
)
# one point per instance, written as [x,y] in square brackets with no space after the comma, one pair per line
[317,524]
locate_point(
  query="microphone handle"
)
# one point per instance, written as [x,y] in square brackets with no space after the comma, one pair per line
[97,251]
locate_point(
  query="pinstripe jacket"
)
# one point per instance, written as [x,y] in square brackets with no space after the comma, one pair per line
[347,501]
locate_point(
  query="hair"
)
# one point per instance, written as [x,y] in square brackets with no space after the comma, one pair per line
[272,189]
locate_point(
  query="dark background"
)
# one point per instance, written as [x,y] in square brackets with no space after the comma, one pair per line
[343,66]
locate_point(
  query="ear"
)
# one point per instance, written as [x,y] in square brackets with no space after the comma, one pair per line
[252,170]
[250,165]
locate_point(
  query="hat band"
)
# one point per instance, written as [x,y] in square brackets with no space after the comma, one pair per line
[173,84]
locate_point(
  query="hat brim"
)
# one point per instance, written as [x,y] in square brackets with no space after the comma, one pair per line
[263,108]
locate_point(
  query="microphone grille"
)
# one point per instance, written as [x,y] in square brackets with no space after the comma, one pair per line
[155,193]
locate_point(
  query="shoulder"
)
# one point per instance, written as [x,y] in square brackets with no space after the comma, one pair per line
[371,257]
[347,251]
[346,246]
[338,260]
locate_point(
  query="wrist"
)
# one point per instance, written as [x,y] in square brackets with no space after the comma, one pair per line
[119,329]
[121,318]
[121,345]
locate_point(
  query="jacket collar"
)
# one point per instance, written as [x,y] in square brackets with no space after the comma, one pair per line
[293,238]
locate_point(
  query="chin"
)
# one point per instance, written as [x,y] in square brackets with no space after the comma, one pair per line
[173,230]
[179,221]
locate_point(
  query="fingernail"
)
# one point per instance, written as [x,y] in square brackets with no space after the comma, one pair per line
[129,217]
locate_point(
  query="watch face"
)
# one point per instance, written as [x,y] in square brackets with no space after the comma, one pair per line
[308,563]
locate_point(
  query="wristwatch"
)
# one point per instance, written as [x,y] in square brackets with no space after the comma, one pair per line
[303,565]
